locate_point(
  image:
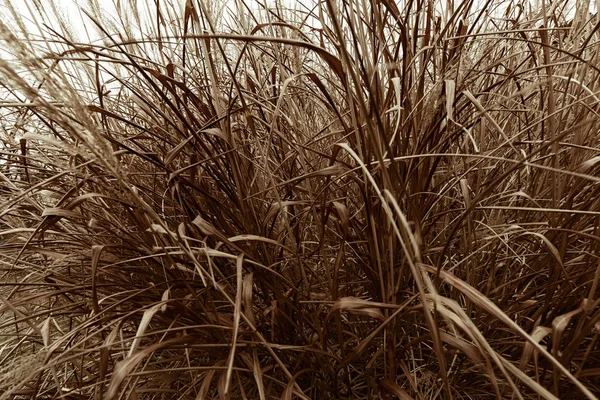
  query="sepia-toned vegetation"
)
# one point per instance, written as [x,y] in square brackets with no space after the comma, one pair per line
[340,199]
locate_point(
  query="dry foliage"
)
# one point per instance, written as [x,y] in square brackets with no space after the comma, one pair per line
[343,199]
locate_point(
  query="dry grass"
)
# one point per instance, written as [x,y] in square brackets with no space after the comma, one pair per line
[343,200]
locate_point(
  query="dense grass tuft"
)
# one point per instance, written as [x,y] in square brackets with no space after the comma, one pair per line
[343,199]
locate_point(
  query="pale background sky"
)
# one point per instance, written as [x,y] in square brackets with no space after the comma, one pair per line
[85,32]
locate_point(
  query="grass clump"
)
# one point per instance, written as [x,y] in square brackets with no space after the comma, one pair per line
[339,199]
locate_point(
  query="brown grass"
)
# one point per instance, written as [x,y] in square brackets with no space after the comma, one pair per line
[338,200]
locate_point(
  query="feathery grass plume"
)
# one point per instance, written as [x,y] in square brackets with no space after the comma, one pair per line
[316,200]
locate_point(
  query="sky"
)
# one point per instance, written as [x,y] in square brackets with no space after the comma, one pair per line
[72,14]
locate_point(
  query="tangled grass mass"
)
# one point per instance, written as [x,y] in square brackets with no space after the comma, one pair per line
[337,199]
